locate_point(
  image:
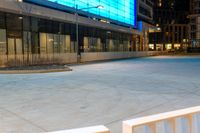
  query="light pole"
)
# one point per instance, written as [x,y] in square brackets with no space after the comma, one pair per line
[77,28]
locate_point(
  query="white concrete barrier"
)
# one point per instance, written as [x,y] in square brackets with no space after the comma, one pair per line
[95,129]
[151,122]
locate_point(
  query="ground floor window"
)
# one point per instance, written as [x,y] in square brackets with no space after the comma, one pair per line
[159,47]
[168,46]
[15,46]
[177,46]
[151,46]
[92,44]
[33,35]
[27,42]
[55,43]
[96,45]
[3,47]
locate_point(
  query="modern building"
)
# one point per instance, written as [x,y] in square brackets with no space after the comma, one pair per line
[194,26]
[145,11]
[145,22]
[171,17]
[68,31]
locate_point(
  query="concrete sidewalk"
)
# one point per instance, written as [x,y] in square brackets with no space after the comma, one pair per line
[94,94]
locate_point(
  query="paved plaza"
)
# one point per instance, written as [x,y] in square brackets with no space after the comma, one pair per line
[100,93]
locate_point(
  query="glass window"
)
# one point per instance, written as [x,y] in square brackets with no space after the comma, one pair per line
[117,46]
[111,46]
[99,47]
[15,46]
[34,24]
[86,44]
[27,42]
[62,44]
[2,21]
[56,44]
[43,43]
[50,43]
[67,44]
[14,22]
[151,46]
[18,45]
[11,46]
[3,50]
[35,43]
[92,44]
[26,23]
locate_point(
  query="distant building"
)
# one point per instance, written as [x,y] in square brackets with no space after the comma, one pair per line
[44,31]
[145,10]
[194,34]
[171,17]
[145,22]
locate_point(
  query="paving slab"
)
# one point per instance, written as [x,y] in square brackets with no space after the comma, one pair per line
[98,94]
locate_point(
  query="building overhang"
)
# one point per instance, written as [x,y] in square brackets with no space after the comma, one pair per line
[13,6]
[143,26]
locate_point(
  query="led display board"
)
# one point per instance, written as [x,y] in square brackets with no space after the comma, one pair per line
[120,11]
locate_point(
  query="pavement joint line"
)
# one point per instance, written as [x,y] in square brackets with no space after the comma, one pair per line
[28,121]
[143,111]
[146,110]
[185,92]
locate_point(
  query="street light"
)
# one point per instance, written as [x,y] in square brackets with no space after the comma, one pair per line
[100,6]
[77,30]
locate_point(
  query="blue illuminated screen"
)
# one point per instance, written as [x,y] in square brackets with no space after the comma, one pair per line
[123,11]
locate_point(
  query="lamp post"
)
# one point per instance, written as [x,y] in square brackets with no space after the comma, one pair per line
[77,27]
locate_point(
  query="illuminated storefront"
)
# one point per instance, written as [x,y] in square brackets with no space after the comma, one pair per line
[47,28]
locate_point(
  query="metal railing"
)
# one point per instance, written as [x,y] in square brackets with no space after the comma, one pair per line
[151,122]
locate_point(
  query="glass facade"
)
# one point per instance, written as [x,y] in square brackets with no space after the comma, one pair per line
[123,11]
[23,35]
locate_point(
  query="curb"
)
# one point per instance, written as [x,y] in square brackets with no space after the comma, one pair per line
[33,71]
